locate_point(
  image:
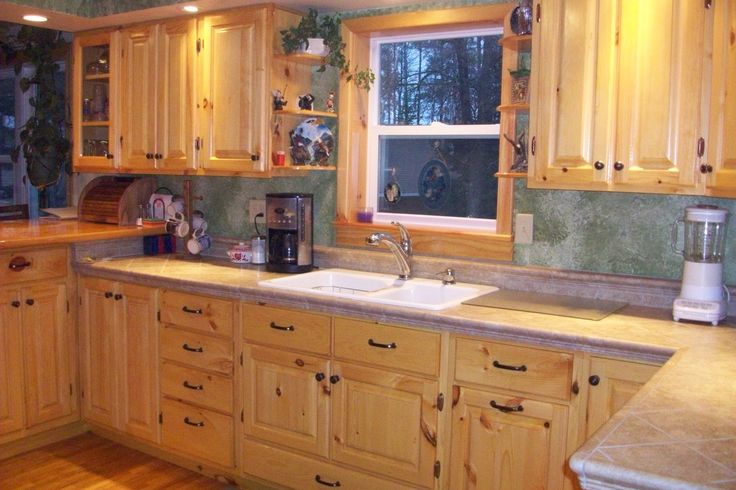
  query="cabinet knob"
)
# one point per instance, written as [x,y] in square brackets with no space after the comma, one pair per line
[599,165]
[30,302]
[319,376]
[594,380]
[15,304]
[108,294]
[255,157]
[618,166]
[334,379]
[118,297]
[109,156]
[149,156]
[158,156]
[706,169]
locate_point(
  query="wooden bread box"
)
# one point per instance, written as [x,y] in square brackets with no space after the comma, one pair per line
[116,200]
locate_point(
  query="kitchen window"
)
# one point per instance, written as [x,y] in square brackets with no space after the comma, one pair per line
[434,130]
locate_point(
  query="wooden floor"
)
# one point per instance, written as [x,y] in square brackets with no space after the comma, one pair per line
[88,461]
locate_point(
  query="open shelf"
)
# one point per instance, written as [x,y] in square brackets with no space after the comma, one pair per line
[102,77]
[300,170]
[302,113]
[511,175]
[513,107]
[519,43]
[93,124]
[303,58]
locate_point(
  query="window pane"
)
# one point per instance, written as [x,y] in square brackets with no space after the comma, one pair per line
[439,176]
[454,81]
[7,138]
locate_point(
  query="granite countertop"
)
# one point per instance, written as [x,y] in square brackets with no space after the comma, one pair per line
[42,232]
[679,431]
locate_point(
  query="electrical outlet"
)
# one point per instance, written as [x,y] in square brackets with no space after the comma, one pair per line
[524,228]
[256,206]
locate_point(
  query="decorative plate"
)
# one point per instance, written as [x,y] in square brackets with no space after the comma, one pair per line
[312,143]
[434,184]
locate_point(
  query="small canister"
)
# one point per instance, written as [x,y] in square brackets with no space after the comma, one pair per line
[258,249]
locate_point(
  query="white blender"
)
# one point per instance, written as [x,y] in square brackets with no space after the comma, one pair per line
[703,296]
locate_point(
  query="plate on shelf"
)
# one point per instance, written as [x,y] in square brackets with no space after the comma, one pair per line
[434,184]
[312,143]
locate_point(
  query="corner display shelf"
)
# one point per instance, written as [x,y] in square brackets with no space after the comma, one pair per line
[304,113]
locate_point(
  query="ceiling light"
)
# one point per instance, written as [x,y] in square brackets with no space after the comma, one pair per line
[190,8]
[35,18]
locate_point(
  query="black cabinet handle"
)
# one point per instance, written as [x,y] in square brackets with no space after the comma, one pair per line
[498,365]
[594,380]
[118,297]
[194,424]
[192,349]
[290,328]
[319,376]
[108,294]
[506,408]
[192,387]
[618,166]
[334,379]
[332,484]
[186,309]
[30,302]
[15,304]
[373,343]
[109,156]
[158,156]
[599,165]
[18,264]
[149,156]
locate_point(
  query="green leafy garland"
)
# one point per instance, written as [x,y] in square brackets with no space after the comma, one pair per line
[43,141]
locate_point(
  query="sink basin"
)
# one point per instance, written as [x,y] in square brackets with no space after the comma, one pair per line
[371,287]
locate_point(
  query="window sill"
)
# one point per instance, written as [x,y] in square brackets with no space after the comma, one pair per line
[433,242]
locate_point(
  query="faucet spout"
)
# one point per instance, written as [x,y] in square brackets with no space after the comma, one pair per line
[398,250]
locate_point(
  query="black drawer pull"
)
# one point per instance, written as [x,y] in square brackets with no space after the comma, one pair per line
[18,264]
[373,343]
[334,484]
[108,294]
[290,328]
[192,349]
[194,424]
[118,297]
[30,302]
[498,365]
[185,309]
[15,304]
[506,408]
[192,387]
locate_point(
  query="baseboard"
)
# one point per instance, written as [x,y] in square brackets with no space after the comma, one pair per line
[41,439]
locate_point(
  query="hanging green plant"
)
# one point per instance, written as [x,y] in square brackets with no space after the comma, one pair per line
[326,27]
[43,141]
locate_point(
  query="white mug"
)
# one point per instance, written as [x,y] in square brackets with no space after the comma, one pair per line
[198,243]
[199,223]
[179,228]
[175,207]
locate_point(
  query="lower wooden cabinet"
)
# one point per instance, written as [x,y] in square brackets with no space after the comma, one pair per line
[612,383]
[120,356]
[506,442]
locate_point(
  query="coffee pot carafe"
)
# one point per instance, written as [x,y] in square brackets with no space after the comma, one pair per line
[703,295]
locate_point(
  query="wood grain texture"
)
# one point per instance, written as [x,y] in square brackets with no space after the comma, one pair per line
[202,313]
[88,461]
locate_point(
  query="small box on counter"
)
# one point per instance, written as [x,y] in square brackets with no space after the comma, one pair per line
[159,244]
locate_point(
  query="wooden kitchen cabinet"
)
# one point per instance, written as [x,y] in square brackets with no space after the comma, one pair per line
[36,341]
[616,101]
[612,383]
[156,94]
[120,356]
[95,97]
[231,81]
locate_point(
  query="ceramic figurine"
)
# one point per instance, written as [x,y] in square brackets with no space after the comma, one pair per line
[520,161]
[278,100]
[330,103]
[306,102]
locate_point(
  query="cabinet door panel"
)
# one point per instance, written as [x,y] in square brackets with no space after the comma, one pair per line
[661,66]
[284,402]
[232,82]
[139,103]
[722,143]
[138,349]
[11,363]
[385,422]
[98,351]
[46,353]
[175,94]
[506,451]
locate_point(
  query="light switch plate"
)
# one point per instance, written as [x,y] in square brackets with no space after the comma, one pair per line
[524,228]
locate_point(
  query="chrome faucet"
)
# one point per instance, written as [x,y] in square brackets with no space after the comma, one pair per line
[400,249]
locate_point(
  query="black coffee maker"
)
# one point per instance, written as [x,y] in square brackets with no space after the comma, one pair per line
[289,220]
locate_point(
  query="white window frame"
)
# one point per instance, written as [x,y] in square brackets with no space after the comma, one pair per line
[436,129]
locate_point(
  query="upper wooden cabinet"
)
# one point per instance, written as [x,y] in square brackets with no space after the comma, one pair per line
[231,80]
[156,95]
[617,95]
[94,102]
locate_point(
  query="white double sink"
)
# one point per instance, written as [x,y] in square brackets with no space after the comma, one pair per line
[386,289]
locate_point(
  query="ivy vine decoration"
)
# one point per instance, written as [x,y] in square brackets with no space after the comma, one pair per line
[326,27]
[43,141]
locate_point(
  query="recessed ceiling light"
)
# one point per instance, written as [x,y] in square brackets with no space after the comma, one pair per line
[35,18]
[190,8]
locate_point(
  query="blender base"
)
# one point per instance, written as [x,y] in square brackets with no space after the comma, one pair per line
[699,310]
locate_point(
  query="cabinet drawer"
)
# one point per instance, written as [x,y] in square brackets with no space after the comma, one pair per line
[386,345]
[198,432]
[513,367]
[287,328]
[29,265]
[296,471]
[197,350]
[209,390]
[209,315]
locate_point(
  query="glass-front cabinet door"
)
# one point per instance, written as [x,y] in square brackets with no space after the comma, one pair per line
[94,110]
